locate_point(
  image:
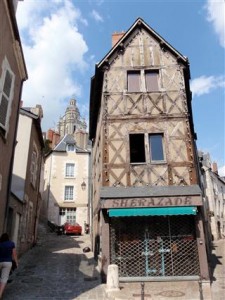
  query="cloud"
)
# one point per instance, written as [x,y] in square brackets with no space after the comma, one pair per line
[96,16]
[204,85]
[221,171]
[54,51]
[216,16]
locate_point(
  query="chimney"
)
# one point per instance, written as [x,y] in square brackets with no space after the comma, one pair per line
[214,167]
[116,36]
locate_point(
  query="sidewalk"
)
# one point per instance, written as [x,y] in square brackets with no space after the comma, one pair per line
[218,270]
[57,269]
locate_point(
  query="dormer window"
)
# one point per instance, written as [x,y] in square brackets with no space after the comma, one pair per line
[70,147]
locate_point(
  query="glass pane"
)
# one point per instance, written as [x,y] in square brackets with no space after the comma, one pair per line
[7,83]
[156,147]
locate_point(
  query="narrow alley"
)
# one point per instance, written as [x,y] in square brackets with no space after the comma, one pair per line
[58,269]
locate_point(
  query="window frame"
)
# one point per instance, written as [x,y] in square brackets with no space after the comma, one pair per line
[145,148]
[6,69]
[68,193]
[144,85]
[130,88]
[69,146]
[150,84]
[162,150]
[69,170]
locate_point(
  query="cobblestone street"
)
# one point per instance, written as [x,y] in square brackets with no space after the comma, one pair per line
[57,269]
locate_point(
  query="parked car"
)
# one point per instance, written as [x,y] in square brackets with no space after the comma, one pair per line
[72,229]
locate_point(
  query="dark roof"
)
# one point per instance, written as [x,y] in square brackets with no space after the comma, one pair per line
[149,191]
[68,139]
[97,79]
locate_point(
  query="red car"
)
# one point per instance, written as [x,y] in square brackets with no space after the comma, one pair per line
[72,229]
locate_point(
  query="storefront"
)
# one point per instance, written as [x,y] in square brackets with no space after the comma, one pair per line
[154,238]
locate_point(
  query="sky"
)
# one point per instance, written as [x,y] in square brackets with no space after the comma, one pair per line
[64,39]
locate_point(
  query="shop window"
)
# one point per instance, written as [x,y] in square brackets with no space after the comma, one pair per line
[69,172]
[156,147]
[152,80]
[133,81]
[68,195]
[137,148]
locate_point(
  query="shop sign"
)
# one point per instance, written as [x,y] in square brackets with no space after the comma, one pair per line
[152,202]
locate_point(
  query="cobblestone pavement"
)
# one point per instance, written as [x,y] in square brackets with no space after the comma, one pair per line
[57,269]
[218,270]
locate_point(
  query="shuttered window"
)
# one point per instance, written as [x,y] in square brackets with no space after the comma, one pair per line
[151,80]
[6,94]
[34,168]
[133,81]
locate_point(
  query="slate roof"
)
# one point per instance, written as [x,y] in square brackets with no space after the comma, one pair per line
[68,139]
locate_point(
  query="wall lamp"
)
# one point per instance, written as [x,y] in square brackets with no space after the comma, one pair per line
[83,185]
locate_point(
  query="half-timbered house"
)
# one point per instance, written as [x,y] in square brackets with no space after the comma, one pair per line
[147,201]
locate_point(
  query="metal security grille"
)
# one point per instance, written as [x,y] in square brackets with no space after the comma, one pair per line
[154,246]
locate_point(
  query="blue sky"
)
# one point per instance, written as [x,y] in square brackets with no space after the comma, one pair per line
[63,40]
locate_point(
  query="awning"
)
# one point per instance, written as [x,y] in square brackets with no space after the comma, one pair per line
[153,211]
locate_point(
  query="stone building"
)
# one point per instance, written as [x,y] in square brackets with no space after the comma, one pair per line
[214,197]
[66,190]
[27,184]
[147,200]
[12,75]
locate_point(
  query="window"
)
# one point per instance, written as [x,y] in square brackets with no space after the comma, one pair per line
[69,170]
[151,80]
[71,216]
[70,147]
[133,81]
[137,148]
[156,147]
[62,211]
[68,196]
[6,94]
[33,167]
